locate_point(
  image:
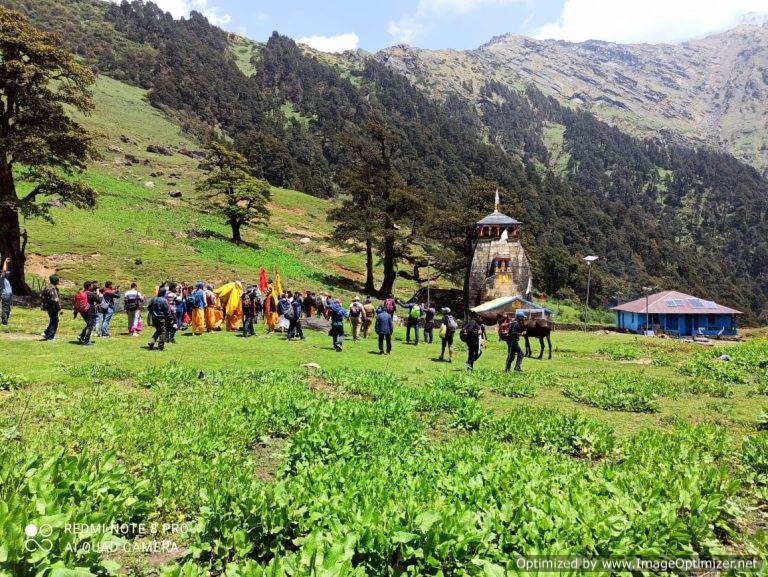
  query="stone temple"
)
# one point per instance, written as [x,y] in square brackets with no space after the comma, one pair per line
[499,264]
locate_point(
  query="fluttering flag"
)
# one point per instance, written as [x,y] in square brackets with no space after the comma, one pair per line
[529,290]
[263,283]
[504,236]
[497,202]
[277,285]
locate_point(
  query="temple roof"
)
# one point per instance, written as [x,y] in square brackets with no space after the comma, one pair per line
[497,218]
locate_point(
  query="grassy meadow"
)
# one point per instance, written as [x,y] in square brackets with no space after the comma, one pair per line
[243,462]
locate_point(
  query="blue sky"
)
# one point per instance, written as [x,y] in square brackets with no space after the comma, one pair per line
[463,24]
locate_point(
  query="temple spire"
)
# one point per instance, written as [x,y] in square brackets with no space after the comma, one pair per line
[497,204]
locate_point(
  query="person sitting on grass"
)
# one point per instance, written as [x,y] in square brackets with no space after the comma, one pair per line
[384,328]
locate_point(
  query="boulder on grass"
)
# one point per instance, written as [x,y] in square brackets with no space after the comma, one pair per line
[311,366]
[149,184]
[175,194]
[157,149]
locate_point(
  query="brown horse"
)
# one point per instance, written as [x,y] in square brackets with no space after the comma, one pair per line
[540,329]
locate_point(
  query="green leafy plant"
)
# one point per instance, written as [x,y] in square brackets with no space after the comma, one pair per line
[12,381]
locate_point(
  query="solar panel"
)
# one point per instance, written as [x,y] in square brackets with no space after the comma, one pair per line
[671,303]
[710,305]
[696,303]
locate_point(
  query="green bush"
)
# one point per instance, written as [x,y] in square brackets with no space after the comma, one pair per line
[618,392]
[12,381]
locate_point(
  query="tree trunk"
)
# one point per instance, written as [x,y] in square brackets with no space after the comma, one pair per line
[10,231]
[369,288]
[387,286]
[236,226]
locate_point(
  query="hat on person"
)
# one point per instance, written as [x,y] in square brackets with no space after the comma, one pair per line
[199,284]
[54,279]
[519,313]
[445,311]
[356,299]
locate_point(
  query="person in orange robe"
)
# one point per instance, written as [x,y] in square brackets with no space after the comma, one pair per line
[270,315]
[212,317]
[198,314]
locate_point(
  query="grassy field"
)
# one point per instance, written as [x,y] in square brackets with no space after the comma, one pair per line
[385,465]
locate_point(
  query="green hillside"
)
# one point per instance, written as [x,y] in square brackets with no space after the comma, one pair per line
[142,233]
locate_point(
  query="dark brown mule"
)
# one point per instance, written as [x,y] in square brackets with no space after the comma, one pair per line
[540,329]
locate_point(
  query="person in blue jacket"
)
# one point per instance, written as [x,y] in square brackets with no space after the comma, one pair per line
[338,314]
[384,328]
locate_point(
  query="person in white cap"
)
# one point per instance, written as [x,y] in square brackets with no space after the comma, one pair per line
[357,317]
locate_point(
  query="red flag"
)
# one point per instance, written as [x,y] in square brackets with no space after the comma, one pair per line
[263,284]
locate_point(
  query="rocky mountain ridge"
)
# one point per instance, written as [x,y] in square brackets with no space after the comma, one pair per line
[712,91]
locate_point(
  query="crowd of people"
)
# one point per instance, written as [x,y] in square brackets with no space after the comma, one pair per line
[200,308]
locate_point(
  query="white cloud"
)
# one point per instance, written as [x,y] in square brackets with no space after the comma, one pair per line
[630,21]
[409,26]
[406,29]
[340,43]
[182,8]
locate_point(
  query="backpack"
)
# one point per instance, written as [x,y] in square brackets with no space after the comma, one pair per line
[81,303]
[289,314]
[104,304]
[463,335]
[247,301]
[131,302]
[452,324]
[415,312]
[504,329]
[189,302]
[355,309]
[389,306]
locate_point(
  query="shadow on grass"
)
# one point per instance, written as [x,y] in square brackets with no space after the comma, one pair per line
[223,237]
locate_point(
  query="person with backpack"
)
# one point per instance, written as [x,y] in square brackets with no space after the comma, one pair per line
[132,303]
[106,308]
[357,317]
[511,331]
[429,324]
[171,297]
[160,318]
[337,314]
[51,304]
[87,302]
[447,333]
[389,305]
[249,311]
[196,303]
[384,328]
[370,316]
[320,305]
[471,334]
[294,328]
[412,321]
[6,293]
